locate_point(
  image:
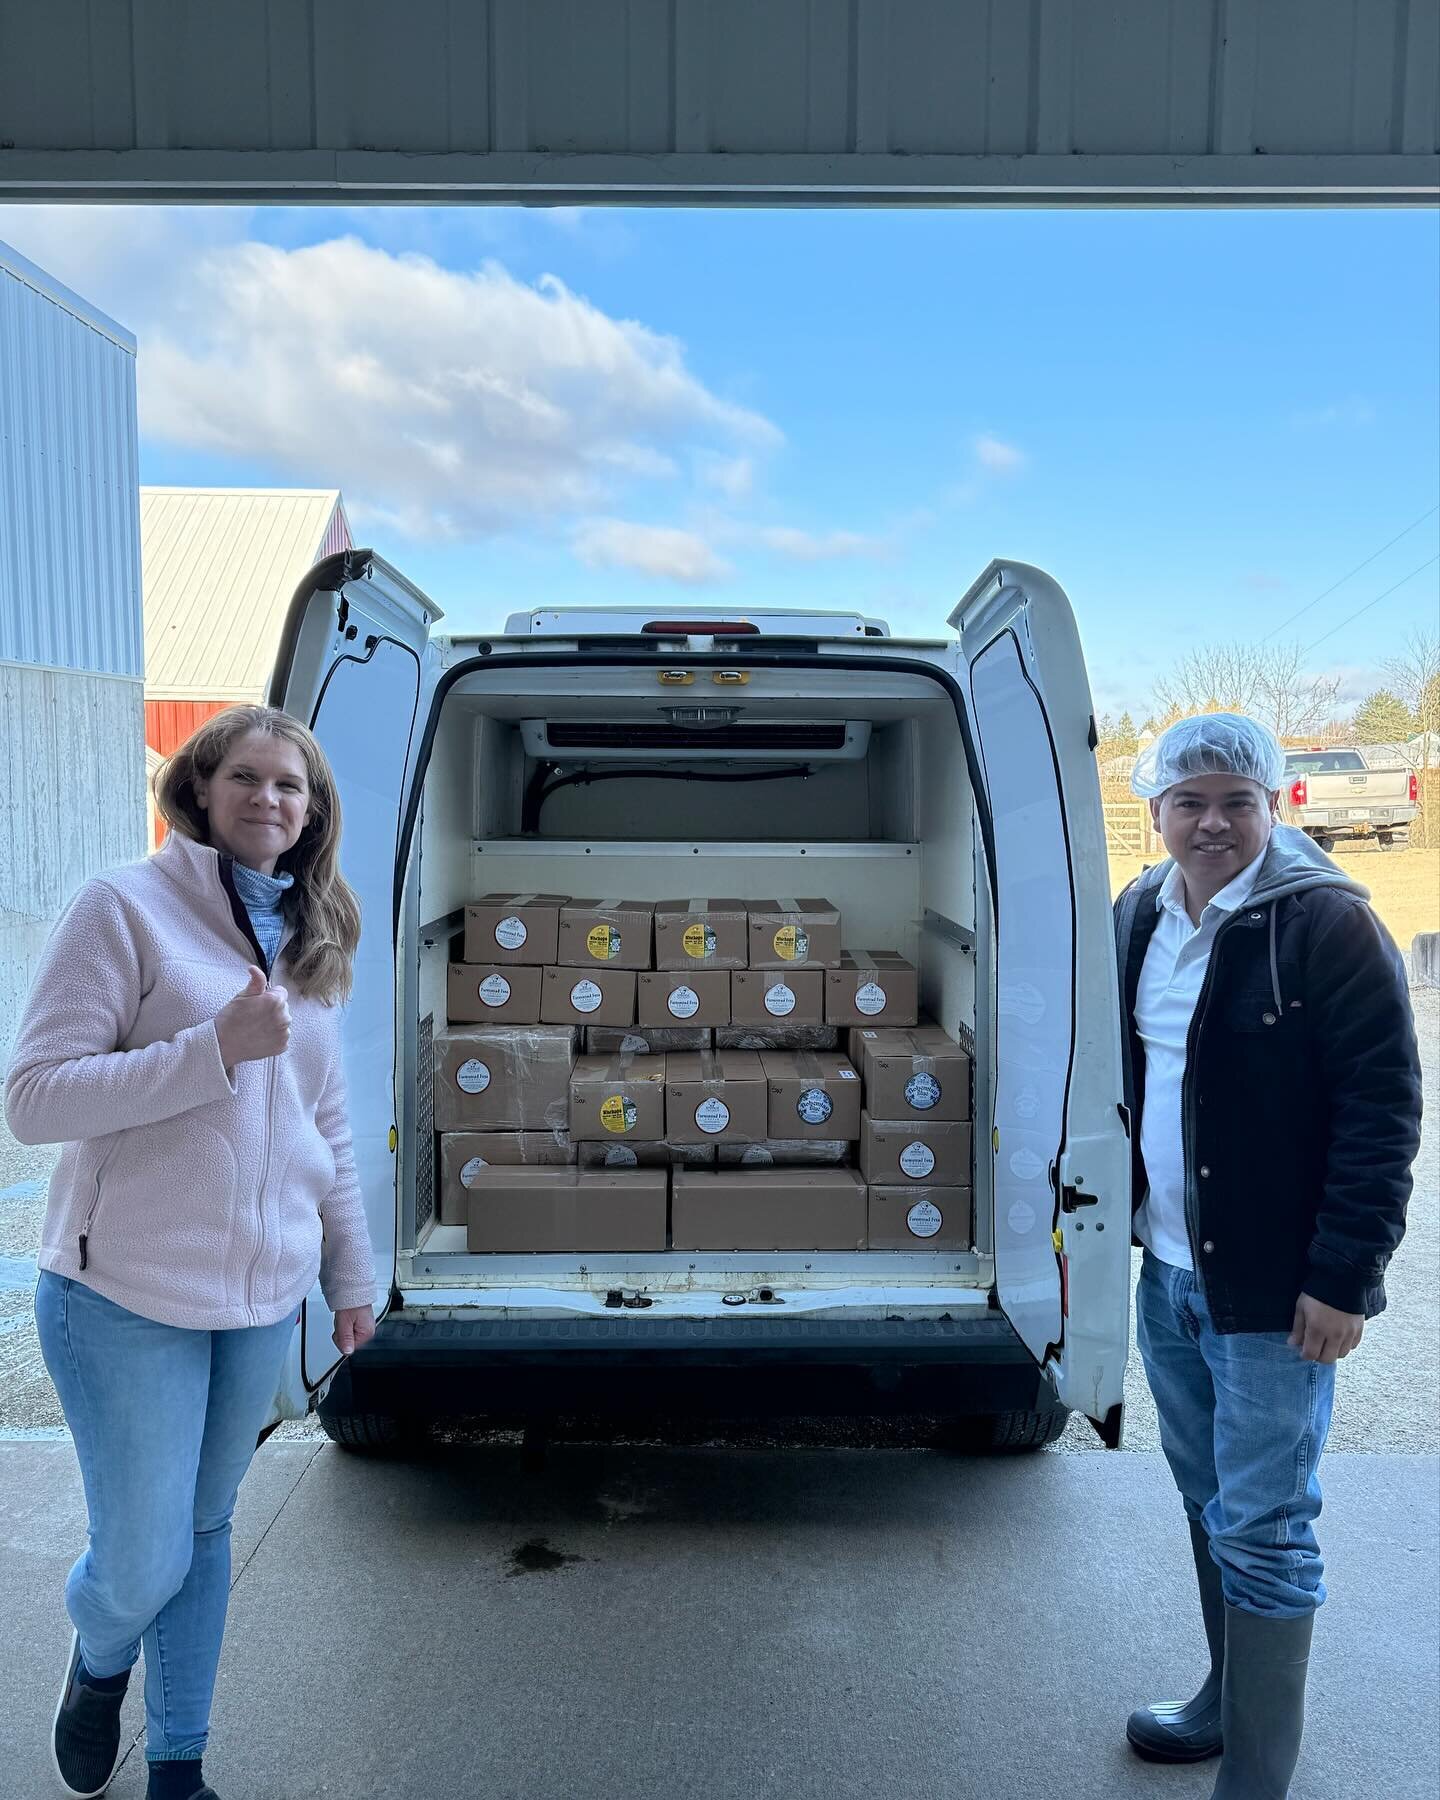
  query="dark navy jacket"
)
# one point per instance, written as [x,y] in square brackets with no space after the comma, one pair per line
[1301,1101]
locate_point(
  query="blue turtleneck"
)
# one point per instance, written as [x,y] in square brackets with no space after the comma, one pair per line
[264,897]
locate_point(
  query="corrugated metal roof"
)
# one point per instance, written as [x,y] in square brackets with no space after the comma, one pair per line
[799,99]
[220,566]
[69,474]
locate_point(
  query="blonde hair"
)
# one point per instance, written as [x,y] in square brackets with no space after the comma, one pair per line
[322,903]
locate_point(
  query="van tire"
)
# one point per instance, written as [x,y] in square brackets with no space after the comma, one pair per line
[1007,1433]
[372,1434]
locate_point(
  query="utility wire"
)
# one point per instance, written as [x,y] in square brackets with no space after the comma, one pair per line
[1344,578]
[1369,603]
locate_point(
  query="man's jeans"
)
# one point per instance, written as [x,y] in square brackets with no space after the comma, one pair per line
[1243,1419]
[165,1423]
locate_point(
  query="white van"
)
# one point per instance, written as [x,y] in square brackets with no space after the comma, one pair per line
[942,793]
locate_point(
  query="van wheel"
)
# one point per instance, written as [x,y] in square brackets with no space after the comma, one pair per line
[1325,841]
[373,1434]
[1007,1433]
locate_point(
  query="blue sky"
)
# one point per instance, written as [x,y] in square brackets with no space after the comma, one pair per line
[1196,420]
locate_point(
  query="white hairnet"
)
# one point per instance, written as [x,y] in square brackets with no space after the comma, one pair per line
[1213,744]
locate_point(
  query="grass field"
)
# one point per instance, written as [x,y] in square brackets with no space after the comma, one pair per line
[1404,885]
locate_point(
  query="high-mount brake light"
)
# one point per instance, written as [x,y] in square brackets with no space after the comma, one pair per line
[700,628]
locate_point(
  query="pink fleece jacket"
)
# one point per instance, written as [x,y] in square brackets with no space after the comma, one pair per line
[207,1198]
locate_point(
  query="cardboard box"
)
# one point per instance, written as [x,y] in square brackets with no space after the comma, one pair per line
[700,934]
[715,1096]
[464,1153]
[645,1156]
[794,934]
[503,1077]
[513,928]
[918,1217]
[901,1152]
[915,1074]
[778,999]
[617,1097]
[786,1153]
[646,1040]
[813,1094]
[872,987]
[768,1209]
[616,934]
[486,992]
[587,996]
[680,996]
[568,1210]
[777,1037]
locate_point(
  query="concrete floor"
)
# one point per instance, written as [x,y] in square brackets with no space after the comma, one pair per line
[654,1623]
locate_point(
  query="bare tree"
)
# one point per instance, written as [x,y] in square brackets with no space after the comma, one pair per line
[1415,677]
[1267,681]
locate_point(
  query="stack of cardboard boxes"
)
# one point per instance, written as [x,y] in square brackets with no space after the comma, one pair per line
[625,1075]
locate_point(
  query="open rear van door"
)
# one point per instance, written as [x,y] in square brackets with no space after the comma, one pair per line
[1058,1138]
[354,665]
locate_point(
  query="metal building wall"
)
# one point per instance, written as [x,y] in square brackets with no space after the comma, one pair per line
[808,100]
[72,753]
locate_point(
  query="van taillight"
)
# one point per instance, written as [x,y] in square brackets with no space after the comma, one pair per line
[1414,794]
[1299,793]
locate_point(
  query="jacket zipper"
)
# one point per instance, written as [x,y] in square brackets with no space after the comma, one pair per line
[264,1180]
[242,921]
[1187,1098]
[89,1220]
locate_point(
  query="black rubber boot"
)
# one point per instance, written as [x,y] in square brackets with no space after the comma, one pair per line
[1262,1704]
[1189,1731]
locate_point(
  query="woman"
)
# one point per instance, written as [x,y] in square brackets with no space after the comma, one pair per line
[182,1041]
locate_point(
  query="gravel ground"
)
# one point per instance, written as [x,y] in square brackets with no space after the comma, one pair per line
[1388,1396]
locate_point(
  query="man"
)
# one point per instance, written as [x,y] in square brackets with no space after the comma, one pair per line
[1274,1086]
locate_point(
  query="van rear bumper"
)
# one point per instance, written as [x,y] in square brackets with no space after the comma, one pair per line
[742,1367]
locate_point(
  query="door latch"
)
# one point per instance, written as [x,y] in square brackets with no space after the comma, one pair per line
[1072,1198]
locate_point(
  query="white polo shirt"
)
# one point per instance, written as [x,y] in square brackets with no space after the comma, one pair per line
[1170,984]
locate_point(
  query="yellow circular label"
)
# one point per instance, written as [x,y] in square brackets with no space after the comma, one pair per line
[698,940]
[603,943]
[792,943]
[617,1114]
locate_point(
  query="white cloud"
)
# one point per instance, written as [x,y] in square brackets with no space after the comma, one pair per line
[661,551]
[733,476]
[447,404]
[998,457]
[810,546]
[1351,415]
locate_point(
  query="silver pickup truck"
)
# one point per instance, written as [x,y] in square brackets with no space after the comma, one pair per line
[1334,794]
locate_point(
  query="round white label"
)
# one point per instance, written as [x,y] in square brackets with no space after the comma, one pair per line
[1021,1217]
[510,934]
[756,1155]
[683,1002]
[924,1219]
[470,1170]
[780,1000]
[814,1106]
[870,999]
[585,997]
[1027,1165]
[917,1160]
[472,1076]
[922,1092]
[712,1116]
[494,990]
[621,1156]
[635,1046]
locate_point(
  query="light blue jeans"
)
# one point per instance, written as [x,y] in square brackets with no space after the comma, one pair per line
[1243,1419]
[165,1423]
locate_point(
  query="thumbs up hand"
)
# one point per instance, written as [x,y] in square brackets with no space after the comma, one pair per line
[256,1023]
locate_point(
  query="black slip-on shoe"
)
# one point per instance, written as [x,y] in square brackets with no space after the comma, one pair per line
[85,1739]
